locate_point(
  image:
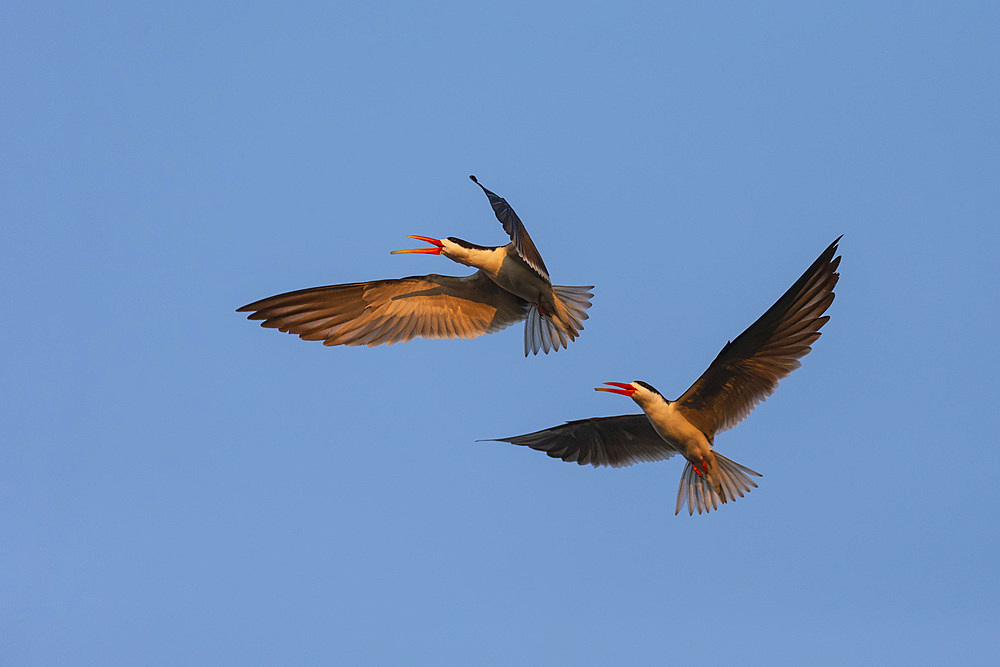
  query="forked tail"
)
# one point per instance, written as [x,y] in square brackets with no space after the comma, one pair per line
[546,333]
[699,493]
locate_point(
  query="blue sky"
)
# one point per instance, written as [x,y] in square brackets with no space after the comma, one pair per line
[180,486]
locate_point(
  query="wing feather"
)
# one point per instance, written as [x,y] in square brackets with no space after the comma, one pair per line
[748,369]
[599,441]
[512,224]
[383,312]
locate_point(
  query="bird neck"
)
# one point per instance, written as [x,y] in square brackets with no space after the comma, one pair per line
[650,402]
[480,257]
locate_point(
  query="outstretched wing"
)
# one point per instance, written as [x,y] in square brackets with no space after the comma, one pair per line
[515,229]
[383,312]
[748,369]
[599,441]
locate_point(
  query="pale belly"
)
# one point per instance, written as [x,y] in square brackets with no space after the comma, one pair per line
[518,278]
[671,425]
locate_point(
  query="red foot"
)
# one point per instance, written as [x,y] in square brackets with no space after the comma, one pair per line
[542,310]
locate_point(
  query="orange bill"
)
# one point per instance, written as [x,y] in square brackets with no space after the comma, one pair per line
[625,390]
[424,251]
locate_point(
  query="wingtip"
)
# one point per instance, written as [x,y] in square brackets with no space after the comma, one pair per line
[475,180]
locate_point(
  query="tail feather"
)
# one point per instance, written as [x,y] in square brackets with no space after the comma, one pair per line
[552,333]
[577,301]
[541,334]
[699,494]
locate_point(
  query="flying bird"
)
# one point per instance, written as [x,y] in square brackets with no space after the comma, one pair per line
[745,372]
[510,285]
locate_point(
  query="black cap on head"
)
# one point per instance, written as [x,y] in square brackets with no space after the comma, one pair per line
[649,387]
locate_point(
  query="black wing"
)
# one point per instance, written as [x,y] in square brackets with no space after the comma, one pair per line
[515,229]
[599,441]
[748,369]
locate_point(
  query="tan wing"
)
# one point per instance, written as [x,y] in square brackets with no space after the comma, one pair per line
[599,441]
[512,224]
[748,369]
[383,312]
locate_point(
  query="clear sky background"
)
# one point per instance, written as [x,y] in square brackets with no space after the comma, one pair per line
[180,486]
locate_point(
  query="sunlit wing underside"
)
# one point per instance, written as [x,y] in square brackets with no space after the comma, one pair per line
[383,312]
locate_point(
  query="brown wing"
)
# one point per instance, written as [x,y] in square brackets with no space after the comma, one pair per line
[392,311]
[512,224]
[599,441]
[747,369]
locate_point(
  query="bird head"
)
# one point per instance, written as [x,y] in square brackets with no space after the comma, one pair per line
[638,391]
[454,249]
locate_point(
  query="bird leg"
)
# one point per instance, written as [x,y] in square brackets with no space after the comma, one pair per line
[695,466]
[541,309]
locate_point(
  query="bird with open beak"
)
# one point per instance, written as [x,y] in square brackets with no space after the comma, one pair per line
[510,285]
[745,372]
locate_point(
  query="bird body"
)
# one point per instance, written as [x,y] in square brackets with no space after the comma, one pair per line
[744,373]
[505,267]
[670,424]
[511,285]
